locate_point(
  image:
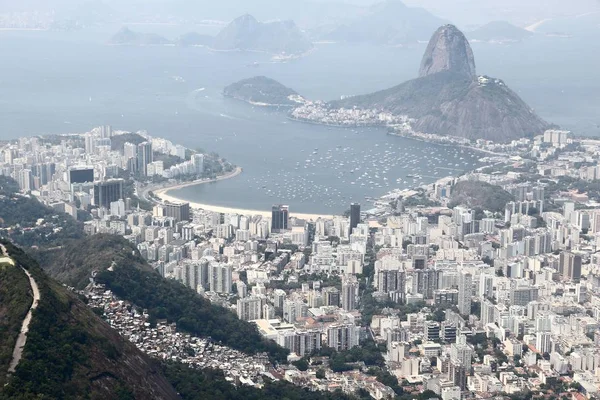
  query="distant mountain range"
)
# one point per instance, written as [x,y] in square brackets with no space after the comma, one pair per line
[245,33]
[390,22]
[499,31]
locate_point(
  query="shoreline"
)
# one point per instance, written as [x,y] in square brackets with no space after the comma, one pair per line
[163,194]
[464,146]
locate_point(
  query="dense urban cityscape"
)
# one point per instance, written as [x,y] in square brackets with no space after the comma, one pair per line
[473,286]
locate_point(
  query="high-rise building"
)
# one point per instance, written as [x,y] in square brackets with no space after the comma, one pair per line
[144,157]
[487,312]
[301,342]
[90,143]
[177,211]
[522,296]
[279,218]
[331,297]
[349,292]
[105,131]
[294,309]
[198,162]
[249,308]
[543,342]
[425,281]
[279,296]
[220,280]
[342,336]
[486,286]
[130,151]
[392,281]
[108,191]
[354,216]
[465,291]
[432,331]
[81,175]
[461,351]
[25,179]
[570,266]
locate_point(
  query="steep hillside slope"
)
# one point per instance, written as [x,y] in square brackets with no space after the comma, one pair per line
[132,279]
[71,353]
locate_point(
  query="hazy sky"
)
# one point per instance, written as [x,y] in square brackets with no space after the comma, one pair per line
[462,12]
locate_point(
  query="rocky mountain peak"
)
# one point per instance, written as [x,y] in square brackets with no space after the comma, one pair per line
[448,50]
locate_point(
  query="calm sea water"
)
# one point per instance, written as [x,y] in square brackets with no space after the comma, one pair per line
[69,82]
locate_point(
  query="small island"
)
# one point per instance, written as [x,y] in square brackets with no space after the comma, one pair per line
[263,91]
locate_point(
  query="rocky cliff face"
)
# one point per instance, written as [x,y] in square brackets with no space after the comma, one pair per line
[449,98]
[448,50]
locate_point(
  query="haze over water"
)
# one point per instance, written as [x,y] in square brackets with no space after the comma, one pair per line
[54,82]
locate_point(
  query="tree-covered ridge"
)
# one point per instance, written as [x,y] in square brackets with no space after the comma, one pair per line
[477,194]
[28,222]
[261,90]
[74,267]
[71,353]
[117,142]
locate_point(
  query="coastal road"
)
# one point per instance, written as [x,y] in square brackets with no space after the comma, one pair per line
[22,339]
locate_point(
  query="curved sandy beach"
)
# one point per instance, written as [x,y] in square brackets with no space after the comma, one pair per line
[163,194]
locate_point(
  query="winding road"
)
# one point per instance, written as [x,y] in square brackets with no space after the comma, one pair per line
[22,339]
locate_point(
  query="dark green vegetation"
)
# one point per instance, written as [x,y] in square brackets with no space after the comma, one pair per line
[261,89]
[476,194]
[15,300]
[325,279]
[19,215]
[368,352]
[211,385]
[134,280]
[72,257]
[168,159]
[72,353]
[117,142]
[419,199]
[171,300]
[74,267]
